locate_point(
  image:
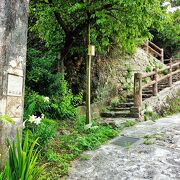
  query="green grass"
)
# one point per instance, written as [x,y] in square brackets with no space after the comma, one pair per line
[148,142]
[84,157]
[72,138]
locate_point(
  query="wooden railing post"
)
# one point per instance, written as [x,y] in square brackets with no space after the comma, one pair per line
[155,85]
[162,55]
[138,90]
[147,46]
[170,74]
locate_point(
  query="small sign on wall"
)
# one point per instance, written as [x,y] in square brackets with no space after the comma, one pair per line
[15,85]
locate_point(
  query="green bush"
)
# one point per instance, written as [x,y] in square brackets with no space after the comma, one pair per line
[60,103]
[22,163]
[63,101]
[47,91]
[44,131]
[40,70]
[36,104]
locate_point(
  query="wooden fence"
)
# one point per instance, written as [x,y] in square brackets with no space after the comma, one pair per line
[155,77]
[155,50]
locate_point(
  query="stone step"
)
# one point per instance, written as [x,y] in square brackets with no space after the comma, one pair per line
[128,104]
[146,95]
[161,87]
[165,84]
[130,101]
[162,84]
[118,114]
[146,92]
[119,109]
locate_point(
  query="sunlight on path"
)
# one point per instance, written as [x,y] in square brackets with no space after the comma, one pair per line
[156,155]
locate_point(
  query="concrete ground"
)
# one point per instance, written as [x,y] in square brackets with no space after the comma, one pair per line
[155,154]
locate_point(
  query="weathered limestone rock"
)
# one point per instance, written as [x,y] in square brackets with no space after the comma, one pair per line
[156,103]
[13,38]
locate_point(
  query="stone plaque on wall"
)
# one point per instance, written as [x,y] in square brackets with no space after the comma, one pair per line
[15,85]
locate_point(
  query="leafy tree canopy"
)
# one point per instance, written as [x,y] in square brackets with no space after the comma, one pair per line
[124,22]
[169,36]
[175,2]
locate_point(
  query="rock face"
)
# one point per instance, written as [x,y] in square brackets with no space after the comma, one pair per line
[13,38]
[157,103]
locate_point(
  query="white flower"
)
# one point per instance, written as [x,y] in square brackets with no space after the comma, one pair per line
[37,121]
[32,118]
[46,99]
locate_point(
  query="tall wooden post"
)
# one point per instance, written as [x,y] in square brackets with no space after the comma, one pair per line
[170,75]
[88,82]
[91,52]
[155,86]
[138,90]
[162,55]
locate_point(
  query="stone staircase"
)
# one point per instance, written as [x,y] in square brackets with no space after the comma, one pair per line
[122,110]
[128,109]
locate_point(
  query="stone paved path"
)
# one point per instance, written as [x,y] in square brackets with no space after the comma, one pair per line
[159,160]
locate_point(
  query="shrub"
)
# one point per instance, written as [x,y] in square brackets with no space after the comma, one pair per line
[60,103]
[35,104]
[44,131]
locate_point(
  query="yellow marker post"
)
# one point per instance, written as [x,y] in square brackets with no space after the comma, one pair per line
[91,52]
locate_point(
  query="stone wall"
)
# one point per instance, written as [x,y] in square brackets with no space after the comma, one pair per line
[115,76]
[13,39]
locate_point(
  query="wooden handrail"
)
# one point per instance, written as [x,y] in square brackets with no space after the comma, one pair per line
[176,64]
[159,71]
[154,51]
[154,45]
[148,74]
[149,84]
[172,59]
[153,48]
[138,79]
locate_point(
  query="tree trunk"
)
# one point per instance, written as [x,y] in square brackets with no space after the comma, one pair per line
[63,53]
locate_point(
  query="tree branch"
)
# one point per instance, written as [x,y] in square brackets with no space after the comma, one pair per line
[60,20]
